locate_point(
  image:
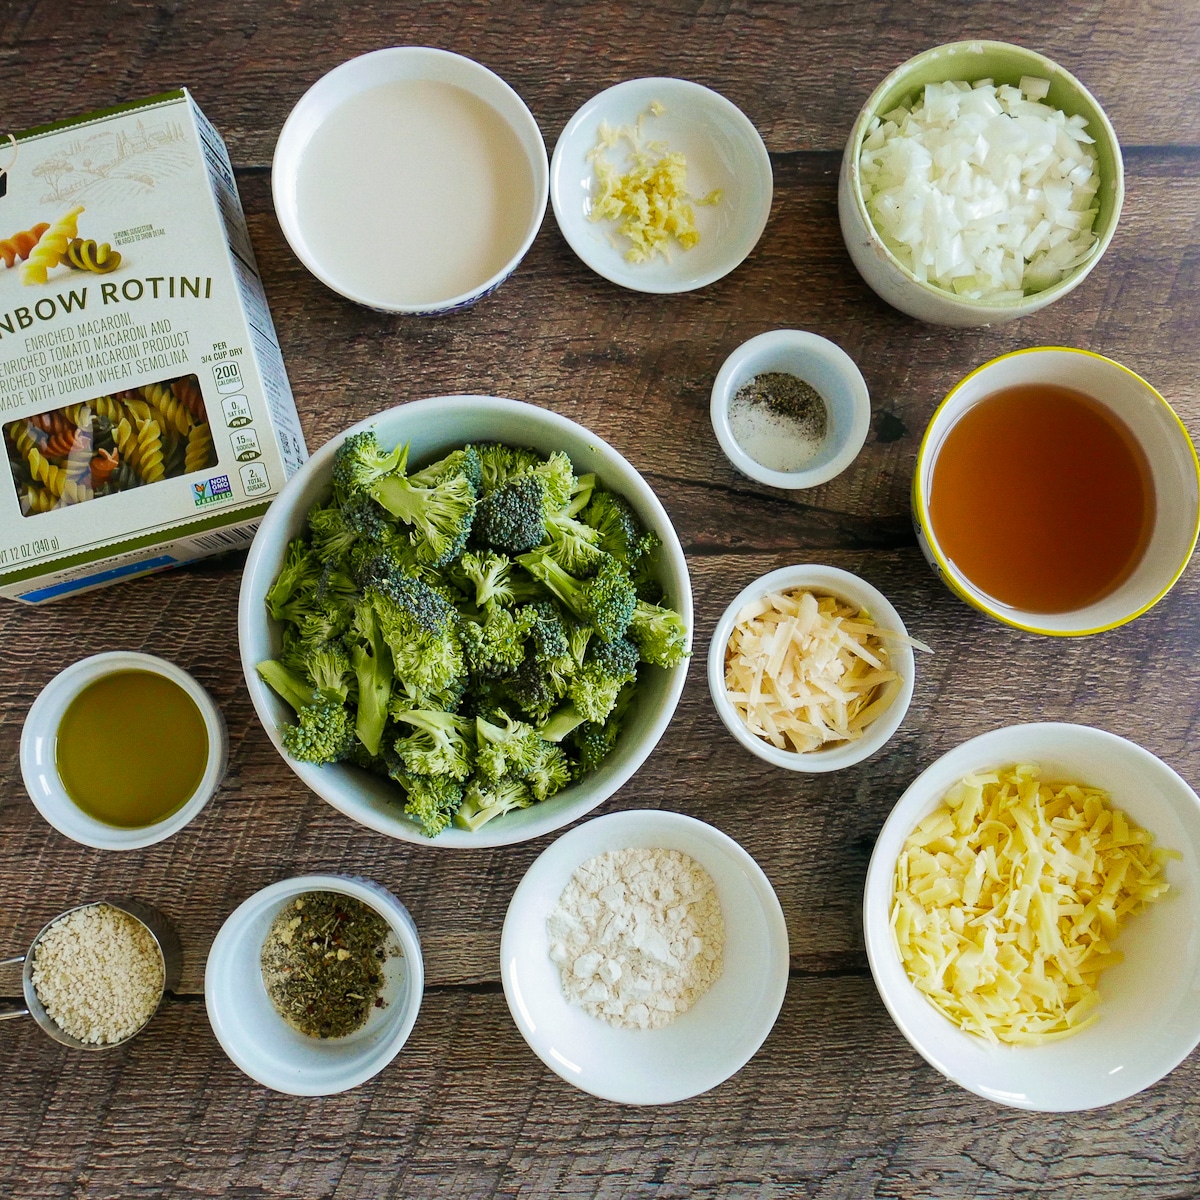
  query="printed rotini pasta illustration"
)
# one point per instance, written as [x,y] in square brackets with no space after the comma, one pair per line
[51,248]
[14,249]
[109,444]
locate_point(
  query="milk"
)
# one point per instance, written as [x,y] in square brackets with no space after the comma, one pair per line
[413,192]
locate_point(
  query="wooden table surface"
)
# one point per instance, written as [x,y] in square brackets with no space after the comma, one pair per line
[836,1103]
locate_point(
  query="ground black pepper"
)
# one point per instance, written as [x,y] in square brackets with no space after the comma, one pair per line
[789,396]
[779,420]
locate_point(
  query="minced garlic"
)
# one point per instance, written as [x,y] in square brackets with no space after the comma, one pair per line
[650,200]
[1007,899]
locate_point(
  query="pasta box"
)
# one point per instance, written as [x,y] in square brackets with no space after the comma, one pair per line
[146,413]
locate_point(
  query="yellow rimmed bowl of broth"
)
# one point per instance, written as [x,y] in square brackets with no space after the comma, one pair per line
[122,749]
[411,180]
[1057,491]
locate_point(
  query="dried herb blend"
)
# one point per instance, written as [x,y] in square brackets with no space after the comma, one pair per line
[322,963]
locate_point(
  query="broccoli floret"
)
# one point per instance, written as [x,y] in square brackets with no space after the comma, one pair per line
[486,576]
[605,602]
[329,669]
[441,515]
[432,800]
[513,516]
[550,772]
[440,744]
[323,733]
[609,666]
[645,581]
[537,687]
[558,476]
[360,461]
[659,634]
[498,463]
[464,462]
[508,749]
[337,526]
[595,742]
[496,646]
[287,683]
[572,545]
[549,632]
[619,531]
[581,494]
[482,801]
[287,596]
[560,723]
[372,664]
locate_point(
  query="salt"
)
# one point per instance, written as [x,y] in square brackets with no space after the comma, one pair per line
[779,420]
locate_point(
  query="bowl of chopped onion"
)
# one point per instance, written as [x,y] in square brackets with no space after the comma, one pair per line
[981,182]
[1031,917]
[811,668]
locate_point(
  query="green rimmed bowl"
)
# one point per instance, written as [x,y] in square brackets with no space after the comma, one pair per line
[971,61]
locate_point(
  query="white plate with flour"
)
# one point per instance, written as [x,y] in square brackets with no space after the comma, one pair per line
[701,1047]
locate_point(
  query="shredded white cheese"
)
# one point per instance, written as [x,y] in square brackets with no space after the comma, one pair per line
[1008,897]
[983,190]
[806,671]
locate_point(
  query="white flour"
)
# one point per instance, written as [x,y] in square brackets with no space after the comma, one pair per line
[638,936]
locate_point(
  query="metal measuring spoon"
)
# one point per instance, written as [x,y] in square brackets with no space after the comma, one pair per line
[165,938]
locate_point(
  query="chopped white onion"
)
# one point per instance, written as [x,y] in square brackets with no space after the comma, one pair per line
[983,190]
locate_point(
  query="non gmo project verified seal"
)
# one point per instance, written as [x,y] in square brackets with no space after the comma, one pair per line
[212,490]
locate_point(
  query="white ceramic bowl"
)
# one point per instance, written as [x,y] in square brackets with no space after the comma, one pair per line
[381,67]
[434,427]
[1150,1004]
[701,1048]
[821,364]
[260,1042]
[972,60]
[828,581]
[1168,449]
[40,732]
[723,150]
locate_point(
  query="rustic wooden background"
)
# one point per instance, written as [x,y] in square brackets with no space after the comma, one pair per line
[835,1104]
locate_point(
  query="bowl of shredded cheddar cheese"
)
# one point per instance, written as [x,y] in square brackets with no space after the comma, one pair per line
[661,185]
[1031,917]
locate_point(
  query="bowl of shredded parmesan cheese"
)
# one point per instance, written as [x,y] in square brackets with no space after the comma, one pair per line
[811,668]
[1031,917]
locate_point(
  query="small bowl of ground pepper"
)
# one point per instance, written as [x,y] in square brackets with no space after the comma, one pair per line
[790,409]
[313,984]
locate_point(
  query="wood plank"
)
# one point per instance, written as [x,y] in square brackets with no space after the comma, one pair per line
[799,71]
[836,1105]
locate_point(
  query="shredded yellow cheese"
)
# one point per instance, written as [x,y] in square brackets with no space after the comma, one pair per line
[1008,897]
[651,199]
[805,672]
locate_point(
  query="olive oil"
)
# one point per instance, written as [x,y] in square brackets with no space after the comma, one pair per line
[131,749]
[1042,498]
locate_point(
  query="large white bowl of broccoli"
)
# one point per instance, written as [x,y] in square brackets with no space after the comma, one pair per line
[466,619]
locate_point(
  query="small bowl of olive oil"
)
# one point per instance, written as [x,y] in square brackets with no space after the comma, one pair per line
[121,750]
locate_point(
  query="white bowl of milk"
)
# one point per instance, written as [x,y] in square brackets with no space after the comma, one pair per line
[411,180]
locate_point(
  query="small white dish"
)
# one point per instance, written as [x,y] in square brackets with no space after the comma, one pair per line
[260,1042]
[40,733]
[823,365]
[723,150]
[701,1048]
[827,581]
[1150,1004]
[409,65]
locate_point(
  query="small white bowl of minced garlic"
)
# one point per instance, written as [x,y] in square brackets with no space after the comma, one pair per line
[811,668]
[790,409]
[313,984]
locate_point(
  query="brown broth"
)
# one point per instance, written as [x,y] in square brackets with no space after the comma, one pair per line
[1042,498]
[131,749]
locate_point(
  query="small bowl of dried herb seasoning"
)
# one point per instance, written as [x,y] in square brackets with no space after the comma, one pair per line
[314,983]
[790,409]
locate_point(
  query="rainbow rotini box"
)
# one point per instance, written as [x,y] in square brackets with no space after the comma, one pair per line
[147,417]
